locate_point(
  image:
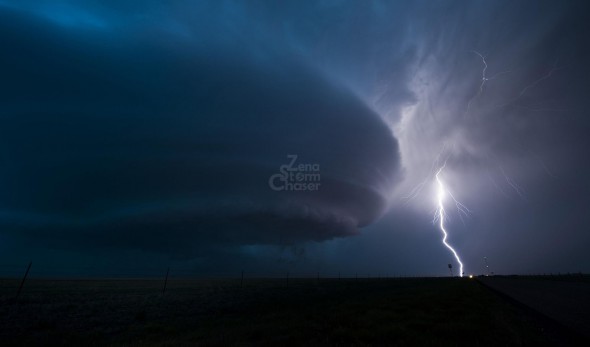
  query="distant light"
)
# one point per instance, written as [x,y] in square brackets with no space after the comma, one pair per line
[470,276]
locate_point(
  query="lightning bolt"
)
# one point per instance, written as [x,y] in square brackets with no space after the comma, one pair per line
[484,79]
[541,79]
[441,213]
[518,189]
[418,188]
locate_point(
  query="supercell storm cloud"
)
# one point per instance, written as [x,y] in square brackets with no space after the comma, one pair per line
[151,142]
[154,128]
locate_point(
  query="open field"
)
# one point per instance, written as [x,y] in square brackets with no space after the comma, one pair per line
[428,311]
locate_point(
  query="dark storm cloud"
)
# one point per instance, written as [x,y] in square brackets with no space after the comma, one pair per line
[122,141]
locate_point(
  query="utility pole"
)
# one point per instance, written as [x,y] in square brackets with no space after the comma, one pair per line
[165,281]
[22,283]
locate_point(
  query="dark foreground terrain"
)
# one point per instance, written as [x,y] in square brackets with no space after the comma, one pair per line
[431,311]
[565,299]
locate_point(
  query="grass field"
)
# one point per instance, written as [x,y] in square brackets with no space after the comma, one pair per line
[429,311]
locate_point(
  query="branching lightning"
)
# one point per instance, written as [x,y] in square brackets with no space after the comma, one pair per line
[484,79]
[418,188]
[531,86]
[542,78]
[440,214]
[518,189]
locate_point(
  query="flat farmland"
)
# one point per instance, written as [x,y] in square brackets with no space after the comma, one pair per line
[343,312]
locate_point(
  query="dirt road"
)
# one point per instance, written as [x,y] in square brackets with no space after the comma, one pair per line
[566,301]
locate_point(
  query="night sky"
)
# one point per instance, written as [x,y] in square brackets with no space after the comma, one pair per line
[137,135]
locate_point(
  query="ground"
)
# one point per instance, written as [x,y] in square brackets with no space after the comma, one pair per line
[409,311]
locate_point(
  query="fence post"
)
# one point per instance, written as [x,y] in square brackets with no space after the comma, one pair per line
[22,283]
[166,281]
